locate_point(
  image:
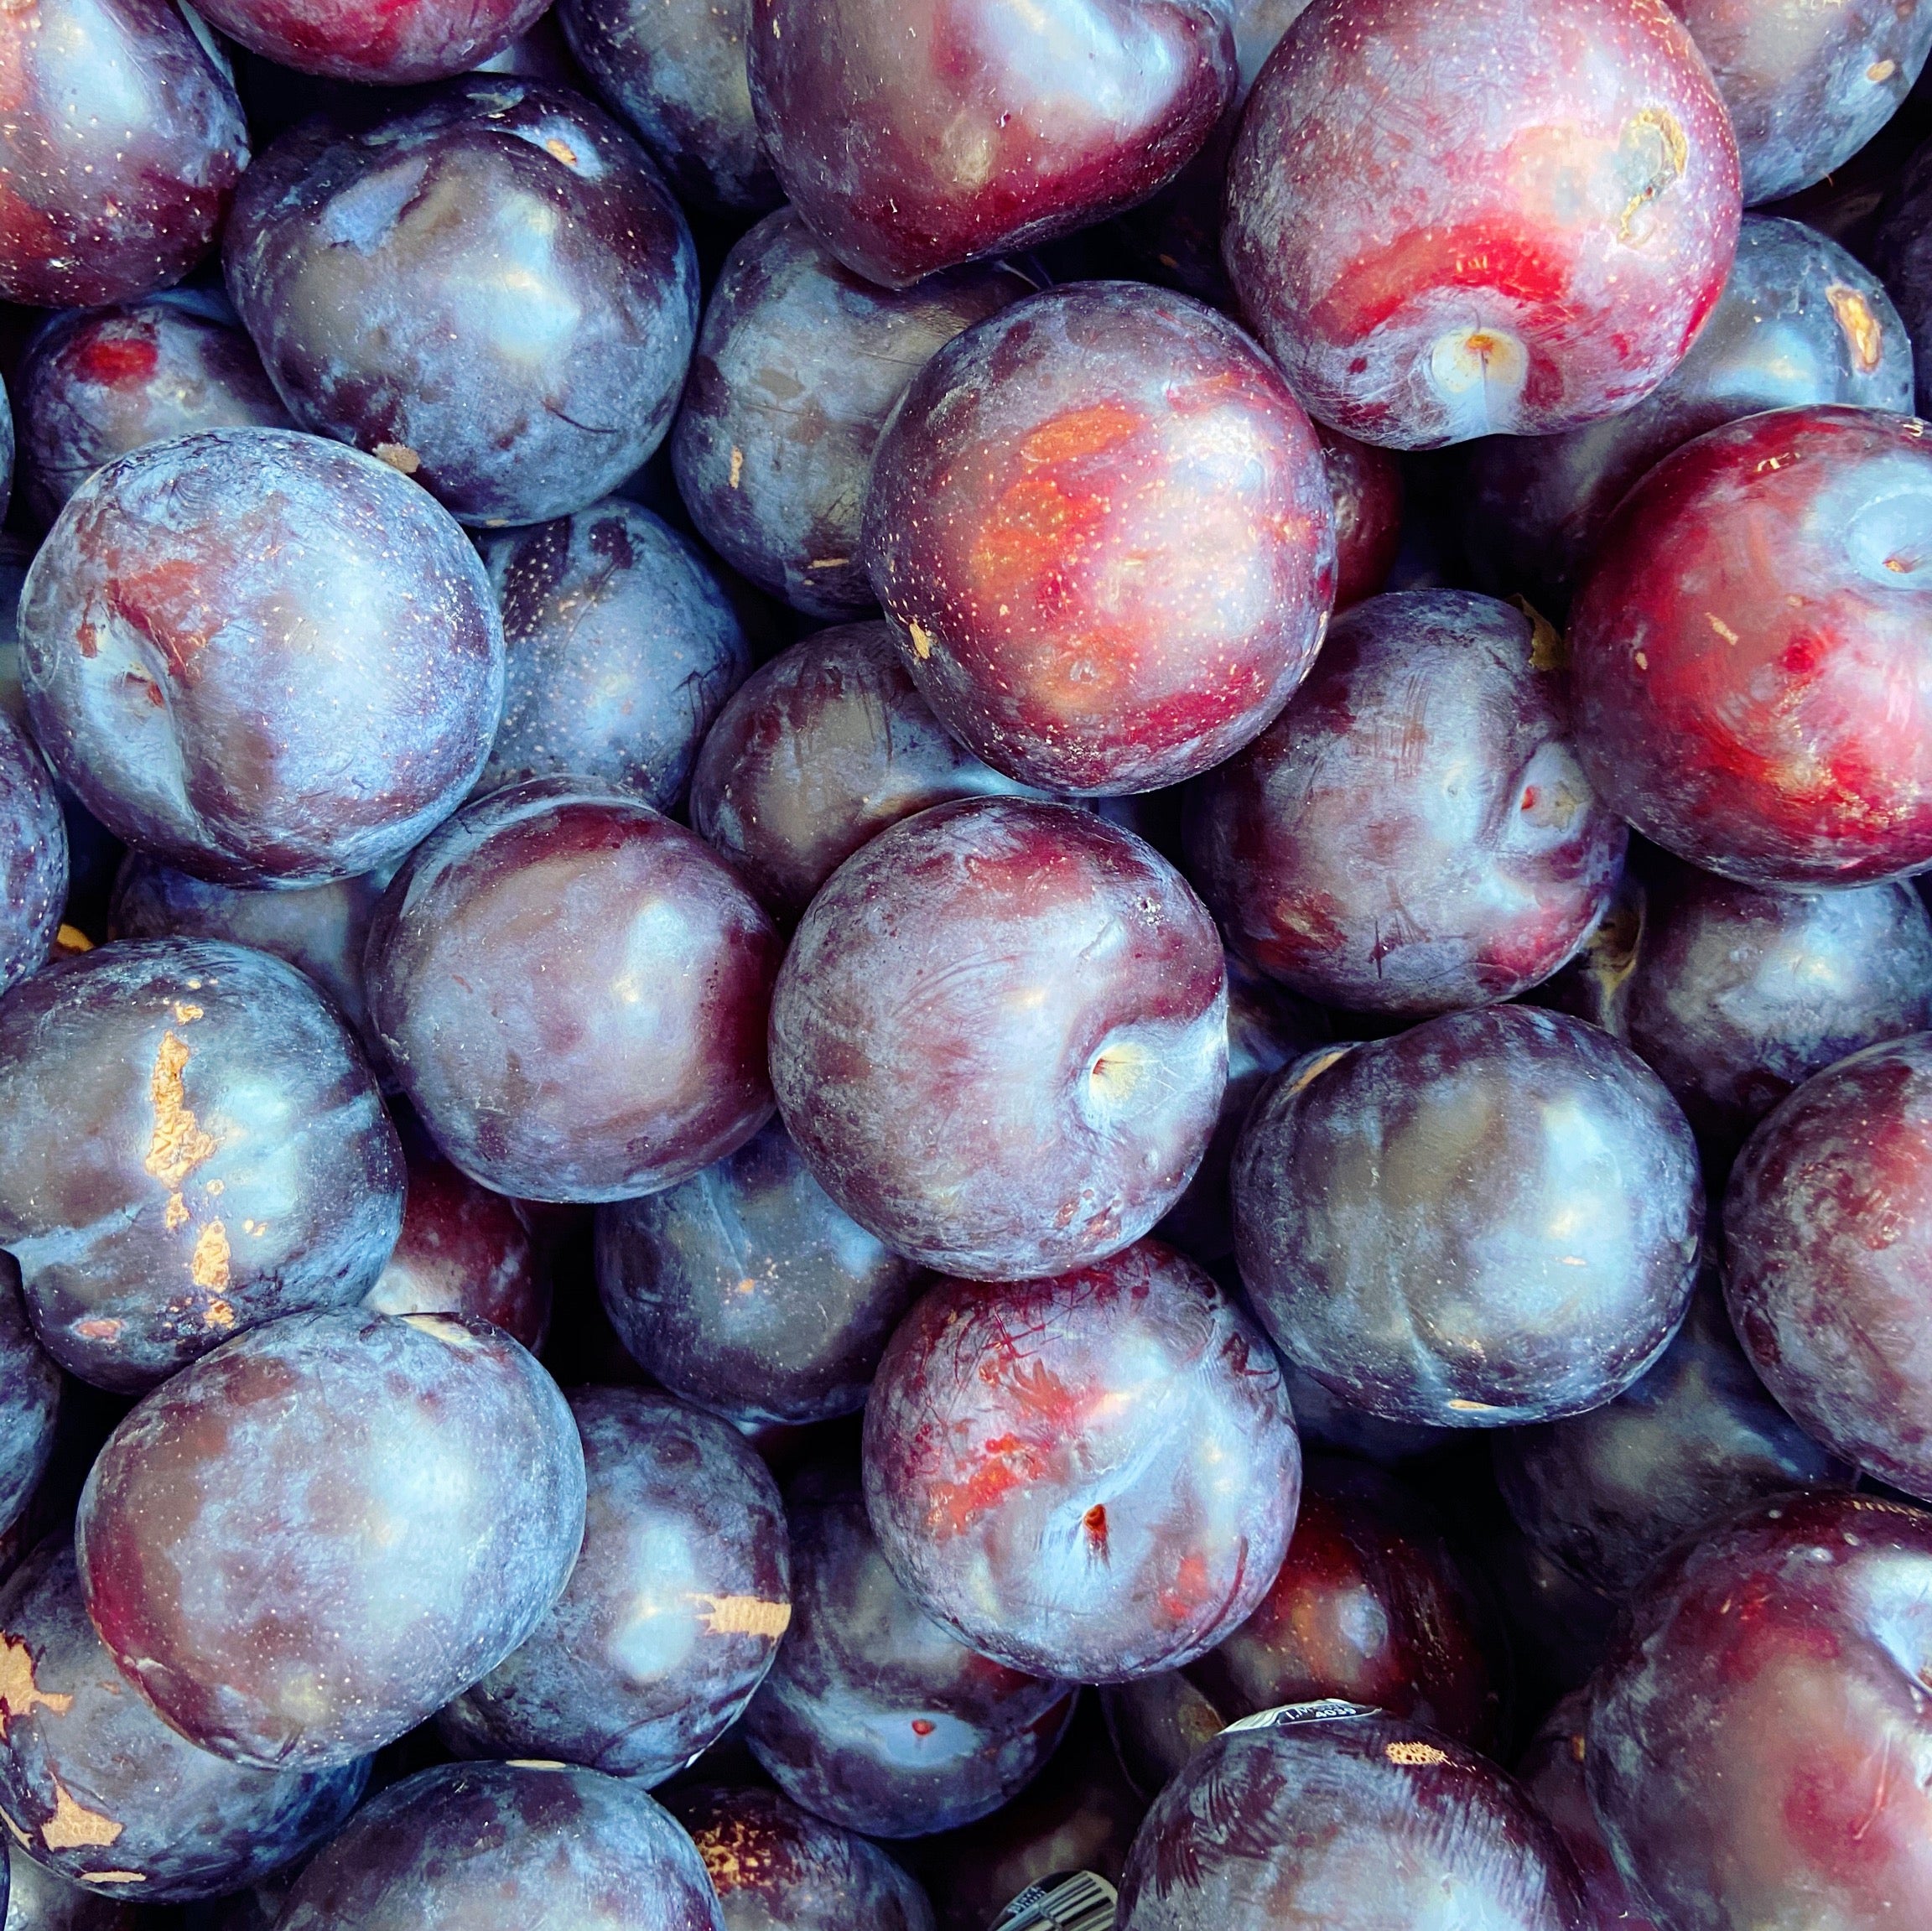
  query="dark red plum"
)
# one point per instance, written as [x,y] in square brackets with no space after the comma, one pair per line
[120,143]
[493,291]
[874,1716]
[1536,249]
[672,1614]
[572,991]
[1372,1606]
[1093,1476]
[1758,1734]
[799,363]
[622,648]
[677,73]
[779,1868]
[392,43]
[1607,1493]
[414,1504]
[507,1847]
[38,1900]
[1806,87]
[33,861]
[817,753]
[1750,692]
[1551,1772]
[914,135]
[223,1157]
[1414,832]
[29,1402]
[98,1788]
[1000,1039]
[462,1250]
[1336,1815]
[260,657]
[1800,321]
[1492,1219]
[1366,485]
[1826,1222]
[1101,526]
[746,1291]
[95,385]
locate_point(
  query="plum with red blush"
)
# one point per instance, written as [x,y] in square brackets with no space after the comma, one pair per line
[400,43]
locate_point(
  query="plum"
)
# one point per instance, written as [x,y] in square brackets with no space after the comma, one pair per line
[29,1402]
[33,856]
[394,43]
[622,647]
[1102,528]
[1438,240]
[7,451]
[507,1847]
[1333,1815]
[1000,1038]
[493,291]
[746,1291]
[1490,1219]
[1607,1493]
[260,657]
[572,990]
[1901,249]
[95,385]
[414,1504]
[1758,1738]
[1366,485]
[1414,832]
[914,135]
[106,1793]
[1750,692]
[120,143]
[798,364]
[1826,1219]
[672,1614]
[1800,321]
[874,1716]
[1093,1476]
[226,1158]
[38,1899]
[779,1868]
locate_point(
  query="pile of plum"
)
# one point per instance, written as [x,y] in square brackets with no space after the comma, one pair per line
[963,965]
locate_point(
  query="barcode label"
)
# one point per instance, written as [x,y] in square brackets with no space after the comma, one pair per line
[1329,1709]
[1078,1902]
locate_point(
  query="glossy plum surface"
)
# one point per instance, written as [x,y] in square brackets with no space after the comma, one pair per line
[33,859]
[105,1792]
[914,135]
[1360,1820]
[29,1401]
[1492,1219]
[413,1505]
[1607,1493]
[622,646]
[1414,832]
[1536,250]
[1366,485]
[1824,1221]
[778,1868]
[1101,526]
[746,1291]
[121,142]
[494,291]
[95,385]
[225,1158]
[1093,1476]
[874,1716]
[999,1037]
[798,364]
[572,991]
[1800,320]
[507,1847]
[260,657]
[1758,1737]
[672,1613]
[817,753]
[1750,690]
[393,43]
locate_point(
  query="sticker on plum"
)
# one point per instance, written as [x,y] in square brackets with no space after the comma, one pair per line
[1080,1901]
[1326,1710]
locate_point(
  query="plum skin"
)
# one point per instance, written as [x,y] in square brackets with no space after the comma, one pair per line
[399,43]
[1538,250]
[999,1037]
[1048,1466]
[1101,526]
[1749,683]
[34,857]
